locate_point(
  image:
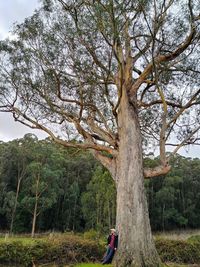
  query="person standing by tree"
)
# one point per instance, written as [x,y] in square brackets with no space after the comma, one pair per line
[112,247]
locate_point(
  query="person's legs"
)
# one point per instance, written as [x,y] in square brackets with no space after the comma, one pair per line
[109,256]
[106,255]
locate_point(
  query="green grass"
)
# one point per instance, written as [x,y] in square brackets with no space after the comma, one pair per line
[92,265]
[24,240]
[109,265]
[177,234]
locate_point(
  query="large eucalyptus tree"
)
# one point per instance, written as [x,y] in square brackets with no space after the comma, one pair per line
[109,76]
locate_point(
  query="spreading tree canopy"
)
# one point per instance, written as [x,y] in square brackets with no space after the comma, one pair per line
[109,76]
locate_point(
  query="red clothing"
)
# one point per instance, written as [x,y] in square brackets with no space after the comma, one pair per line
[112,242]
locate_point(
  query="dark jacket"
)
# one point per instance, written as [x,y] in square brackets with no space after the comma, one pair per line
[115,242]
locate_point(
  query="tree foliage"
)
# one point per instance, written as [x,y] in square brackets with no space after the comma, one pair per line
[66,69]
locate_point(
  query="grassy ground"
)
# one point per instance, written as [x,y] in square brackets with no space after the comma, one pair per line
[177,235]
[24,240]
[92,265]
[100,265]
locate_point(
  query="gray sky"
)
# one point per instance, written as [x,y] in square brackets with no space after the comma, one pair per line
[12,11]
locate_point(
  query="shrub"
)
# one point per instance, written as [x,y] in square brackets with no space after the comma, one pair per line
[194,238]
[59,249]
[92,235]
[71,249]
[18,253]
[178,251]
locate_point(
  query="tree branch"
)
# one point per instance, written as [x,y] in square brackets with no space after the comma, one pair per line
[157,171]
[163,58]
[107,162]
[183,108]
[184,142]
[37,125]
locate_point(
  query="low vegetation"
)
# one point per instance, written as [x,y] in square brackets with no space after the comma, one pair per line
[84,248]
[59,249]
[179,251]
[99,265]
[91,265]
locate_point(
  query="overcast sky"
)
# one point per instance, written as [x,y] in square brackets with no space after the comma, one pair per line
[12,11]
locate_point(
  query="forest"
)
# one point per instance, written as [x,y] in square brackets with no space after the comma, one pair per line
[47,187]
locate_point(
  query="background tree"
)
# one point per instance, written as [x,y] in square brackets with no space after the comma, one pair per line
[110,74]
[21,156]
[99,201]
[173,199]
[14,160]
[171,204]
[41,190]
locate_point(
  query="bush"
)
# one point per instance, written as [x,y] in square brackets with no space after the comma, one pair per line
[92,235]
[19,253]
[61,249]
[178,251]
[194,238]
[71,249]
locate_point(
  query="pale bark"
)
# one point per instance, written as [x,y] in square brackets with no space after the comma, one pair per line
[15,205]
[35,214]
[19,179]
[136,245]
[34,218]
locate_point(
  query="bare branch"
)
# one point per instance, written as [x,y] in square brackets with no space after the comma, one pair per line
[157,102]
[163,58]
[107,162]
[184,142]
[110,139]
[189,104]
[37,125]
[157,171]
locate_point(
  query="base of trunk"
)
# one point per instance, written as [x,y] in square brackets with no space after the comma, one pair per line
[127,260]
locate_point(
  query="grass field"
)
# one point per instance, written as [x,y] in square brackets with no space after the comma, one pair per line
[173,235]
[24,240]
[100,265]
[177,235]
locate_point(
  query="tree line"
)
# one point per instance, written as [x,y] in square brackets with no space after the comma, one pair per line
[46,187]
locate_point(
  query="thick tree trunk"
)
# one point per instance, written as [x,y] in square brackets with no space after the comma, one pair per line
[136,245]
